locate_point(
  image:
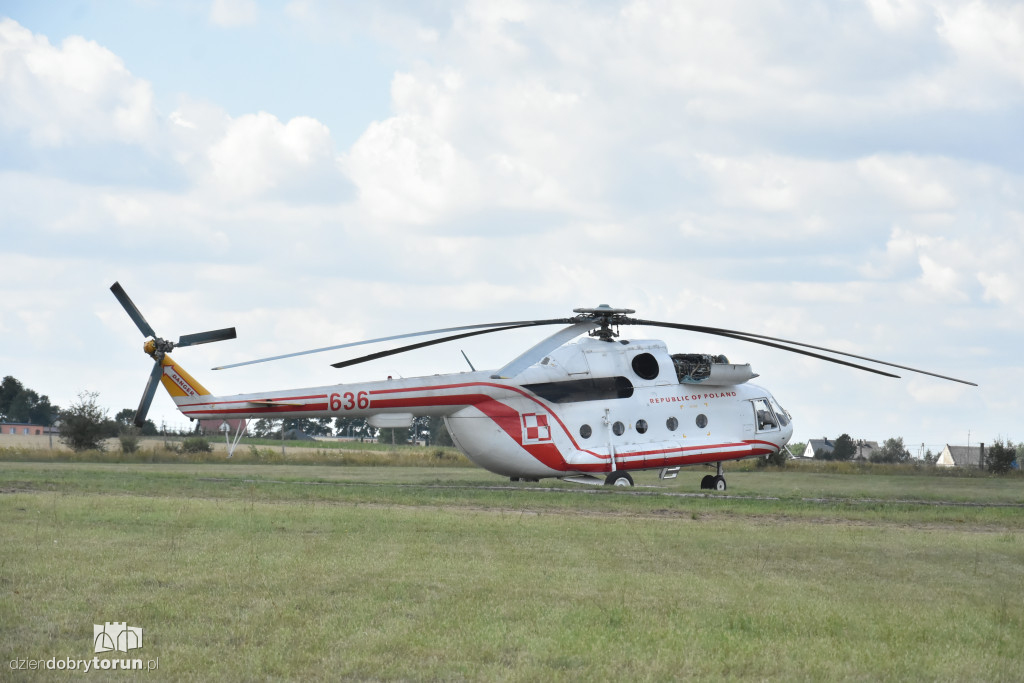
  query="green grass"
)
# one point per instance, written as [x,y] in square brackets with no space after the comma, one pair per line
[242,572]
[260,451]
[324,445]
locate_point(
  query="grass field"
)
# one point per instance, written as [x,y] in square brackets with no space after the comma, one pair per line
[261,451]
[251,571]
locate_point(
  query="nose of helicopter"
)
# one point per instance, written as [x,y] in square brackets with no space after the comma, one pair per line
[787,433]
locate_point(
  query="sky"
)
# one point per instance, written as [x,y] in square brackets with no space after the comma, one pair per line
[849,174]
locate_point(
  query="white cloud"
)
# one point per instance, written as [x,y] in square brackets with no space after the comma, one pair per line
[781,168]
[77,93]
[1003,287]
[894,15]
[259,153]
[899,256]
[405,167]
[933,391]
[941,278]
[231,13]
[915,183]
[988,37]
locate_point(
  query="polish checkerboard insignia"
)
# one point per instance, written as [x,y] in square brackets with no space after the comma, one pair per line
[535,428]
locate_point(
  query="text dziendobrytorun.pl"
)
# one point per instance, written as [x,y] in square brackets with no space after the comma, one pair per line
[84,665]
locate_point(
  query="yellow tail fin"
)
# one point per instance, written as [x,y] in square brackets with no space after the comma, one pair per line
[178,383]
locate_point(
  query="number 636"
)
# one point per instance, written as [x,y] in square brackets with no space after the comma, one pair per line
[348,400]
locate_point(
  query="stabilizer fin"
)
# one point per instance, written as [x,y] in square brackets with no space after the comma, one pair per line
[178,383]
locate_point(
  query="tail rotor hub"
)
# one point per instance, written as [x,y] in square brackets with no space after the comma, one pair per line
[156,348]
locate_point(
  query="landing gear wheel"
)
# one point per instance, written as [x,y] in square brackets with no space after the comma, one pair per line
[708,482]
[718,483]
[618,479]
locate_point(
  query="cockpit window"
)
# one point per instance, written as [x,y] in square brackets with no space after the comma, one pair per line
[781,413]
[764,417]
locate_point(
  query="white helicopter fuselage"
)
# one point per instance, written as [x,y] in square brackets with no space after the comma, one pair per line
[590,406]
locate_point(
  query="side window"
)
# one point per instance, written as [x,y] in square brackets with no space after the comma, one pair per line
[764,416]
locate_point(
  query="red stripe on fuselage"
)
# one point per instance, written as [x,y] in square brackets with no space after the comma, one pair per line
[508,419]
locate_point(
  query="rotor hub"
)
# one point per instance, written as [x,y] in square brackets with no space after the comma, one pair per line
[157,347]
[606,317]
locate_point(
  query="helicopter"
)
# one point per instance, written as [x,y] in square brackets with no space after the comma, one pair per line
[583,405]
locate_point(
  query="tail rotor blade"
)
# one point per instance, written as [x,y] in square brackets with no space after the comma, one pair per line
[147,396]
[206,337]
[133,312]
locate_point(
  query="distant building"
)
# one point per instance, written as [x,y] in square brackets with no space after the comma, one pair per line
[25,429]
[817,448]
[962,456]
[820,448]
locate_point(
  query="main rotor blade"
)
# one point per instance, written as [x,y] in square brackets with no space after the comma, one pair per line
[751,337]
[420,345]
[206,337]
[147,395]
[133,312]
[742,337]
[538,351]
[524,323]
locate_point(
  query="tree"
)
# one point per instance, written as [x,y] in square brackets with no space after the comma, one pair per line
[9,388]
[125,417]
[439,435]
[393,435]
[893,451]
[125,421]
[263,428]
[321,426]
[844,448]
[83,426]
[999,457]
[354,427]
[20,404]
[420,430]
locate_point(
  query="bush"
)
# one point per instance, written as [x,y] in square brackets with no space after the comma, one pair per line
[776,459]
[1000,457]
[129,438]
[892,451]
[83,425]
[195,444]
